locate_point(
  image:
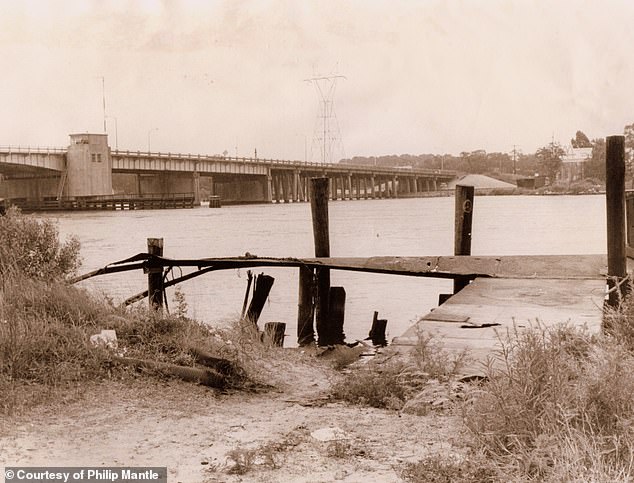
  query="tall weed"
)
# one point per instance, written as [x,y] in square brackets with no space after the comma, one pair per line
[557,403]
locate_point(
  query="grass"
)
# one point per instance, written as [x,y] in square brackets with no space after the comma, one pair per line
[391,383]
[45,329]
[560,408]
[445,469]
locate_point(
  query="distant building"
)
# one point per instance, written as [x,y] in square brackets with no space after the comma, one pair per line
[573,164]
[531,183]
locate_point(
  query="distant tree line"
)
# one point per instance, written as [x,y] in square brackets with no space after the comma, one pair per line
[546,161]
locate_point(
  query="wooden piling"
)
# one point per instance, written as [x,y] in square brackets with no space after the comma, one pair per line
[274,333]
[462,229]
[377,331]
[155,275]
[332,333]
[615,206]
[319,209]
[305,308]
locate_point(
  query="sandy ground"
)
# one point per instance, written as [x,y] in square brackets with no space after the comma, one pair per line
[279,435]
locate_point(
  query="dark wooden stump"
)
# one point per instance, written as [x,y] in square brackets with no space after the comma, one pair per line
[274,333]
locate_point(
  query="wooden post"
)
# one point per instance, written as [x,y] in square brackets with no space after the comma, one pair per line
[305,308]
[629,215]
[261,289]
[155,275]
[333,333]
[319,209]
[274,333]
[377,331]
[615,206]
[462,230]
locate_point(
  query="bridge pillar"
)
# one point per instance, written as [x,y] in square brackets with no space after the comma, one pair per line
[196,187]
[427,185]
[285,190]
[267,186]
[332,187]
[276,185]
[435,184]
[395,187]
[296,185]
[373,187]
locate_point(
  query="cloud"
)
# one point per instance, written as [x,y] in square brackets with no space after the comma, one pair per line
[428,76]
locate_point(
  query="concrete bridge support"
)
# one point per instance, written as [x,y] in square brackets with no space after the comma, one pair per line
[296,186]
[267,187]
[196,187]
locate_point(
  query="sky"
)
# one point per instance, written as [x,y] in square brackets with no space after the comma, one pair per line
[206,76]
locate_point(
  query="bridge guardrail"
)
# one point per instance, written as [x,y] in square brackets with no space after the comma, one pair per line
[280,162]
[28,149]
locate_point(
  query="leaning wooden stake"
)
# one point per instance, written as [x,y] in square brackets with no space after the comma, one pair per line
[261,289]
[155,275]
[319,210]
[462,233]
[615,206]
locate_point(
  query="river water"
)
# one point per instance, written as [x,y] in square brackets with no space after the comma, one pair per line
[502,225]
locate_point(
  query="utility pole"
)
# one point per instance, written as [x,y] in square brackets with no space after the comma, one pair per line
[327,135]
[514,159]
[103,99]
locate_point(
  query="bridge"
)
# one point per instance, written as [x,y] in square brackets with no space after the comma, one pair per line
[89,168]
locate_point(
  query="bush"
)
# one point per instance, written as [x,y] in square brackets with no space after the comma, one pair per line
[390,384]
[559,406]
[32,247]
[442,469]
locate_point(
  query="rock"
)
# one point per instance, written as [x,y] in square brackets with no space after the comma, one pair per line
[106,338]
[328,434]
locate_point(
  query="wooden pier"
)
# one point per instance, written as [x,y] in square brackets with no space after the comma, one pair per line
[110,202]
[493,297]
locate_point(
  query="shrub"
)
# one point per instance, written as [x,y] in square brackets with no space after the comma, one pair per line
[558,404]
[444,469]
[32,247]
[389,384]
[373,385]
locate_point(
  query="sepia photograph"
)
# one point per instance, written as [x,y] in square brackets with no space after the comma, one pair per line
[316,241]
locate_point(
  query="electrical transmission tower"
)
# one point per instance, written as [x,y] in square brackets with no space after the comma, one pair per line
[327,136]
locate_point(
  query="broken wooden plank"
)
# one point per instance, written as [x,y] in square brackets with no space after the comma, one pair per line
[516,266]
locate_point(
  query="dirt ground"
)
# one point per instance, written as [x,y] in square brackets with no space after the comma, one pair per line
[288,434]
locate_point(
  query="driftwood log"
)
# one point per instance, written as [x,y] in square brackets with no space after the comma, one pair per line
[207,376]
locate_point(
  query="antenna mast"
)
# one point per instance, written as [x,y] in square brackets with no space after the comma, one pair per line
[327,137]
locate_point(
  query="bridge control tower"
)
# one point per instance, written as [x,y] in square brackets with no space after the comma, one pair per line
[88,166]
